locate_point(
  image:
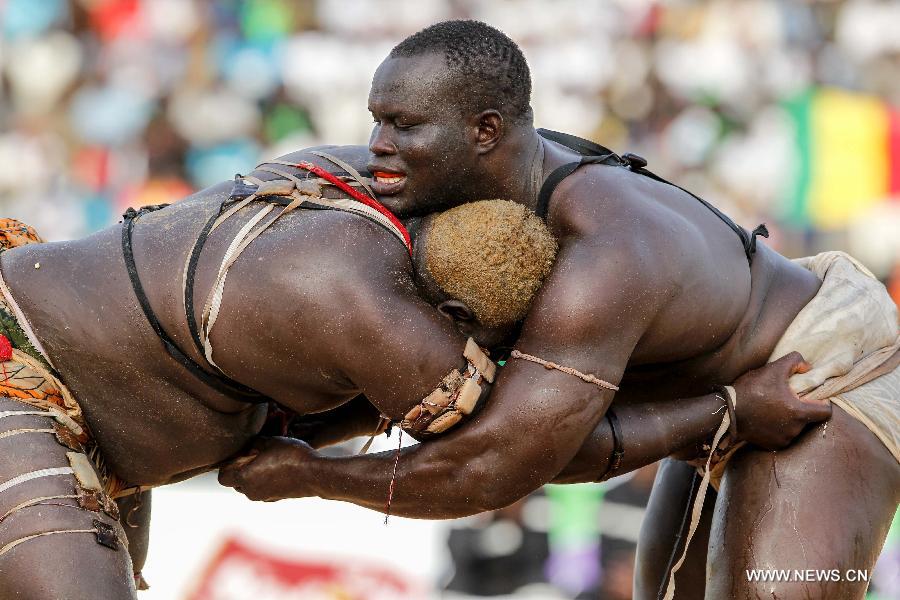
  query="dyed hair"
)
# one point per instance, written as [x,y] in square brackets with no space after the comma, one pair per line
[493,255]
[486,66]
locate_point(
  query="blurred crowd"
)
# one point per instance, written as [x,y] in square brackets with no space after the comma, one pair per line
[783,111]
[566,541]
[777,110]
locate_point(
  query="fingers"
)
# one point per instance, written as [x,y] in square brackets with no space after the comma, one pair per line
[230,472]
[815,411]
[801,367]
[792,363]
[229,476]
[243,461]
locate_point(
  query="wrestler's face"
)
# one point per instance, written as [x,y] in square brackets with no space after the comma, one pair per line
[422,147]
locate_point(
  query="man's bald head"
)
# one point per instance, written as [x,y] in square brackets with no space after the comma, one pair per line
[485,67]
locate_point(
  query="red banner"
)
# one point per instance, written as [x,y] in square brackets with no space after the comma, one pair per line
[240,572]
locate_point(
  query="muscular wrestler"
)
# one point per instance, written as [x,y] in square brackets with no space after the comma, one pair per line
[653,291]
[299,295]
[316,310]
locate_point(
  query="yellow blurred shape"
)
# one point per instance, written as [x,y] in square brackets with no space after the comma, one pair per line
[850,159]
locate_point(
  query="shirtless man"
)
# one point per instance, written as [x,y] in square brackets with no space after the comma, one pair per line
[317,310]
[652,292]
[301,314]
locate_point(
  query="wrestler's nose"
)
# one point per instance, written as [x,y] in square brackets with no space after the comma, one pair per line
[380,143]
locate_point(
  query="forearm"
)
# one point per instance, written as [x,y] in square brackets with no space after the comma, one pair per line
[650,432]
[426,486]
[470,473]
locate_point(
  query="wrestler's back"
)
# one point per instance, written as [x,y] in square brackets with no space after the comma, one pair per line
[721,317]
[155,421]
[779,290]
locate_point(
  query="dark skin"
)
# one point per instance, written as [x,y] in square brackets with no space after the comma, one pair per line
[300,328]
[650,290]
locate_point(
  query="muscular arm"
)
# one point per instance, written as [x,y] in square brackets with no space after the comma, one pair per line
[606,290]
[487,477]
[650,432]
[589,316]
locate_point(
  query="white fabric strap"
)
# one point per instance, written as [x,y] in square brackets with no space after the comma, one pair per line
[35,501]
[36,475]
[216,223]
[13,432]
[225,215]
[231,256]
[281,173]
[732,397]
[317,180]
[35,413]
[57,412]
[53,411]
[214,301]
[12,545]
[345,204]
[347,167]
[697,509]
[348,205]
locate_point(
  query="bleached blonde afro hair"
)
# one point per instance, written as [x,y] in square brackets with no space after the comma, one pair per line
[493,255]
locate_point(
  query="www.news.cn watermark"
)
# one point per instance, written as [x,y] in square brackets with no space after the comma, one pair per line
[806,575]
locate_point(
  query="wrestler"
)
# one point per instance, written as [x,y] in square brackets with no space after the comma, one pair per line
[109,389]
[303,297]
[654,291]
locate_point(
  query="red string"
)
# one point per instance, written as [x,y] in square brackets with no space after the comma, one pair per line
[359,197]
[387,508]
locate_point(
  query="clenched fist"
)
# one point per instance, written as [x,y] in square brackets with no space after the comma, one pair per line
[271,470]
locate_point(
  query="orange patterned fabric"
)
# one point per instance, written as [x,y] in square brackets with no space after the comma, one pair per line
[14,233]
[24,379]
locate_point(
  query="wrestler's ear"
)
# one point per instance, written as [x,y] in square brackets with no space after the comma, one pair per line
[489,130]
[456,311]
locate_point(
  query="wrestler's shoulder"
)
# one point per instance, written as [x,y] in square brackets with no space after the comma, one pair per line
[607,204]
[603,214]
[596,195]
[324,250]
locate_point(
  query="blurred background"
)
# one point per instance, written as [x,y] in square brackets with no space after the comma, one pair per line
[780,111]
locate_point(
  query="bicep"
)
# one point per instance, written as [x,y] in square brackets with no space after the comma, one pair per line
[401,348]
[588,316]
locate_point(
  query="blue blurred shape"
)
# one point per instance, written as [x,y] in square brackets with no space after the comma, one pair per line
[22,18]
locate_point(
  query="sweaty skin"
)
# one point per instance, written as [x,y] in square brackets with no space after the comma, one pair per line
[348,283]
[650,290]
[318,310]
[646,278]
